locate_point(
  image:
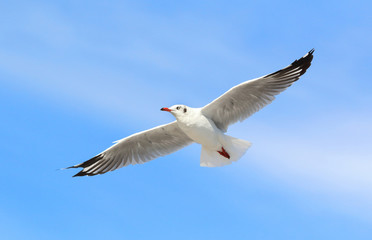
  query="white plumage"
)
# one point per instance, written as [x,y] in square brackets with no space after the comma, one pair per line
[205,126]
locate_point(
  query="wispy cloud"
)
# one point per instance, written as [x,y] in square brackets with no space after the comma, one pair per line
[329,159]
[117,72]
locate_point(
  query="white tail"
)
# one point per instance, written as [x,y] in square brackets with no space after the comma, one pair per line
[234,147]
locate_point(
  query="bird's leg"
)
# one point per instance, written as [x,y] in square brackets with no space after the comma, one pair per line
[224,153]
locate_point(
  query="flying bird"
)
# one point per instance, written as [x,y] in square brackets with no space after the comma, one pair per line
[206,126]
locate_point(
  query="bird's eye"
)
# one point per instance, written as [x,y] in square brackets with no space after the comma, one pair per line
[178,108]
[184,110]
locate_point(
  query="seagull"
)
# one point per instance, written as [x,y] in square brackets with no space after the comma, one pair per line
[206,126]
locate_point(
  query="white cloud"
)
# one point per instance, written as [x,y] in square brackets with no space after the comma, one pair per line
[329,159]
[62,59]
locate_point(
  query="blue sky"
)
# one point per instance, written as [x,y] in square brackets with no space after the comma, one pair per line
[77,75]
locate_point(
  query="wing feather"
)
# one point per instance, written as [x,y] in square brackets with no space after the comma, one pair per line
[245,99]
[136,149]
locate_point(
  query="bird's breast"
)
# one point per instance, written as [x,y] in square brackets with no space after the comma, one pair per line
[202,130]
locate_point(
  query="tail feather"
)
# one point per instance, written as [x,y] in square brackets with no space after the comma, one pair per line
[234,147]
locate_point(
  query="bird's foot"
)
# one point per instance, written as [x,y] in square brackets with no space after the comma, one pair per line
[224,153]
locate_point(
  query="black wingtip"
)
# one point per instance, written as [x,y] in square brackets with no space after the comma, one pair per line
[303,63]
[308,57]
[81,174]
[86,164]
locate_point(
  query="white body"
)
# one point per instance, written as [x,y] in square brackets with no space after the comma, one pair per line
[202,130]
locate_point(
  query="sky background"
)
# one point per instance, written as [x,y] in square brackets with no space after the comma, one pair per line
[77,75]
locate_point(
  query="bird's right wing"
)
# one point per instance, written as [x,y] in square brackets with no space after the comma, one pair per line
[248,97]
[136,149]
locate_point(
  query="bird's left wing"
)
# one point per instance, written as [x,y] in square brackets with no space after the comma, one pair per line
[136,149]
[248,97]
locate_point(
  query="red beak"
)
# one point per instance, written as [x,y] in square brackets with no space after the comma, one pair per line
[166,109]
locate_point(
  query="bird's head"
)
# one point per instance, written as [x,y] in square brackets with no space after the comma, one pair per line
[177,110]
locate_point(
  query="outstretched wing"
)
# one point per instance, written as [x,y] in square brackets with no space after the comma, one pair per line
[136,149]
[248,97]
